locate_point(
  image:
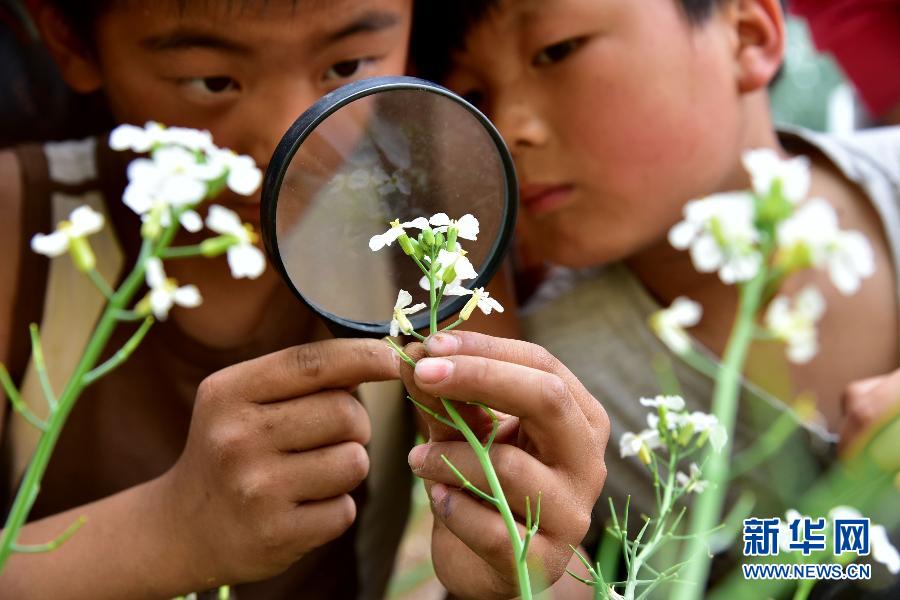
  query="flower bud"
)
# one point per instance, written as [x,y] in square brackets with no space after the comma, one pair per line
[216,246]
[644,455]
[82,255]
[428,237]
[685,434]
[451,238]
[449,275]
[439,240]
[470,306]
[410,247]
[143,308]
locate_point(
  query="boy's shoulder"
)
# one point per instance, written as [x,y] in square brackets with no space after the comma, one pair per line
[865,156]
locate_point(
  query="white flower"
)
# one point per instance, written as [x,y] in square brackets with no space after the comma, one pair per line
[467,225]
[165,292]
[765,166]
[377,242]
[692,482]
[882,549]
[400,322]
[721,235]
[154,184]
[847,255]
[462,268]
[481,299]
[631,444]
[669,323]
[130,137]
[82,222]
[244,177]
[797,327]
[675,403]
[244,259]
[704,423]
[458,261]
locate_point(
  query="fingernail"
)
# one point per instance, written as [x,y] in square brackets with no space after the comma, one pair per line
[438,493]
[416,458]
[442,344]
[433,370]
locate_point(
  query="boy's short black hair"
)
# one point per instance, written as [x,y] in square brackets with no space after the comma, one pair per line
[439,28]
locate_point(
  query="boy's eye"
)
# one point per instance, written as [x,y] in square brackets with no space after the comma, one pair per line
[344,69]
[557,52]
[213,85]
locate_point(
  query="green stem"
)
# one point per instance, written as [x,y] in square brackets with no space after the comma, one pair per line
[454,325]
[181,252]
[708,507]
[767,445]
[659,531]
[497,491]
[100,283]
[53,544]
[20,407]
[122,355]
[40,366]
[30,485]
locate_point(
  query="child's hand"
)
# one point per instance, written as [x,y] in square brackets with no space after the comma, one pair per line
[551,441]
[865,403]
[275,446]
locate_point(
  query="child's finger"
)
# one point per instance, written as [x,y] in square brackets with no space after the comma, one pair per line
[520,475]
[302,370]
[322,419]
[477,419]
[318,474]
[541,400]
[482,529]
[526,354]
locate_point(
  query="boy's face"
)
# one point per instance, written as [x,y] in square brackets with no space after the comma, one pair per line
[616,112]
[243,69]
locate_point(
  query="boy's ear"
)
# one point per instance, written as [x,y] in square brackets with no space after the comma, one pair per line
[72,55]
[759,25]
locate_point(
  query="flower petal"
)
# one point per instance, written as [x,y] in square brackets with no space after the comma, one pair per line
[246,260]
[224,221]
[53,244]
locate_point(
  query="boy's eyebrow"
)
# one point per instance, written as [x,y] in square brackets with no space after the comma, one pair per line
[369,22]
[183,39]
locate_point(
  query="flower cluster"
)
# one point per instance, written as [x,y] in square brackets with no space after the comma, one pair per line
[737,234]
[729,232]
[443,261]
[185,168]
[672,425]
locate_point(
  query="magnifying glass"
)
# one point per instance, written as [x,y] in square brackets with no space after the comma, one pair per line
[369,153]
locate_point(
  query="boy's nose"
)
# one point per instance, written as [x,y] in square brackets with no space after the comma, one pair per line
[271,118]
[520,124]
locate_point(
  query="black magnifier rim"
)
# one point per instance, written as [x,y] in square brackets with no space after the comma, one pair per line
[307,123]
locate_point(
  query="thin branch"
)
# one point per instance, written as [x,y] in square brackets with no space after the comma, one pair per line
[467,485]
[100,284]
[20,407]
[41,366]
[440,418]
[52,544]
[121,355]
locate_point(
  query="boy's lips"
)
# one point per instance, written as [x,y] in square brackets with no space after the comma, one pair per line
[539,199]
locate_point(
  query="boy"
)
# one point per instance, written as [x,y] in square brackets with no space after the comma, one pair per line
[274,443]
[617,113]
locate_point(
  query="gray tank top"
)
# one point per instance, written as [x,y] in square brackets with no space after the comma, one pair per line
[595,322]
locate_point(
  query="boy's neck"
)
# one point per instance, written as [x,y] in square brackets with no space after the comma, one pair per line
[668,273]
